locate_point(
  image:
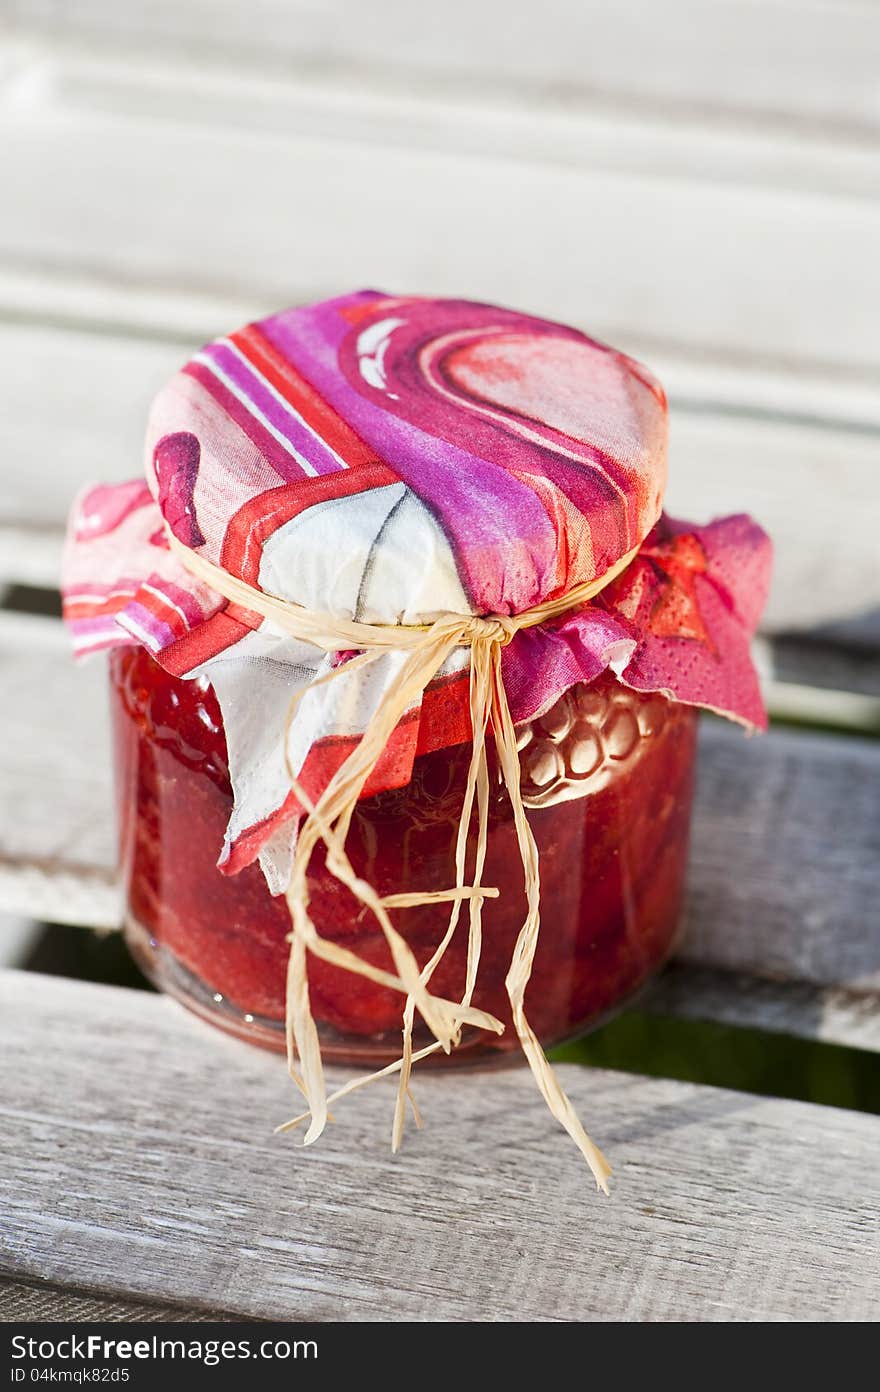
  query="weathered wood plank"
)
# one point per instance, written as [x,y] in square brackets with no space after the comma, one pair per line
[823,706]
[80,418]
[56,834]
[20,1302]
[817,67]
[735,255]
[783,1007]
[128,1130]
[784,863]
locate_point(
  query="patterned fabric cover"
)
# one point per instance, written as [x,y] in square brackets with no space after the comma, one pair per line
[388,460]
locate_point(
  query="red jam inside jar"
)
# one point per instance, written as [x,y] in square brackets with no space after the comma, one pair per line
[607,776]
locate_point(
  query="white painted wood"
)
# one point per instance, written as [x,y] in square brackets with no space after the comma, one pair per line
[73,409]
[57,844]
[98,301]
[82,896]
[73,403]
[815,64]
[17,937]
[702,379]
[137,1159]
[31,555]
[370,113]
[784,868]
[282,213]
[804,485]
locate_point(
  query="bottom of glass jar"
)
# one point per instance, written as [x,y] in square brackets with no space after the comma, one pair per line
[174,979]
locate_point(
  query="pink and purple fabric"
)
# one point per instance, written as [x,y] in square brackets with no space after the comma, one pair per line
[390,459]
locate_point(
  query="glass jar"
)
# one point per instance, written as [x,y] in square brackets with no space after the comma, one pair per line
[607,775]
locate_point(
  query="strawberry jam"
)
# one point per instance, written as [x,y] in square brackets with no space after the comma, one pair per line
[606,776]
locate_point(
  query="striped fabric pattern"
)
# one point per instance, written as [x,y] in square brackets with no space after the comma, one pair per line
[389,459]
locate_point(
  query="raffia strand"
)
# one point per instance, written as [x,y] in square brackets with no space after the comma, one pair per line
[425,649]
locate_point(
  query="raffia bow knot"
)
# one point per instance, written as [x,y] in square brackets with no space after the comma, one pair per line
[494,628]
[425,649]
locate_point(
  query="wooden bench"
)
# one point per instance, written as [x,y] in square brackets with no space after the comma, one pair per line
[144,211]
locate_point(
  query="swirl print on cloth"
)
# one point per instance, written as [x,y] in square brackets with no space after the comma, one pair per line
[388,460]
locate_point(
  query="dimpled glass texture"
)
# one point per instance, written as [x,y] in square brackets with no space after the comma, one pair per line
[607,778]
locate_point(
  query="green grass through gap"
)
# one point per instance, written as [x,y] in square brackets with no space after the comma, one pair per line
[748,1060]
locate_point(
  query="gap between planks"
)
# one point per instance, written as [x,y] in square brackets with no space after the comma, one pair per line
[847,1018]
[40,1300]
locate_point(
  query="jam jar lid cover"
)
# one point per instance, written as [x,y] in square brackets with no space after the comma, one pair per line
[390,459]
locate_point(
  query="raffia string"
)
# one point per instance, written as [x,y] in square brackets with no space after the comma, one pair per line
[425,648]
